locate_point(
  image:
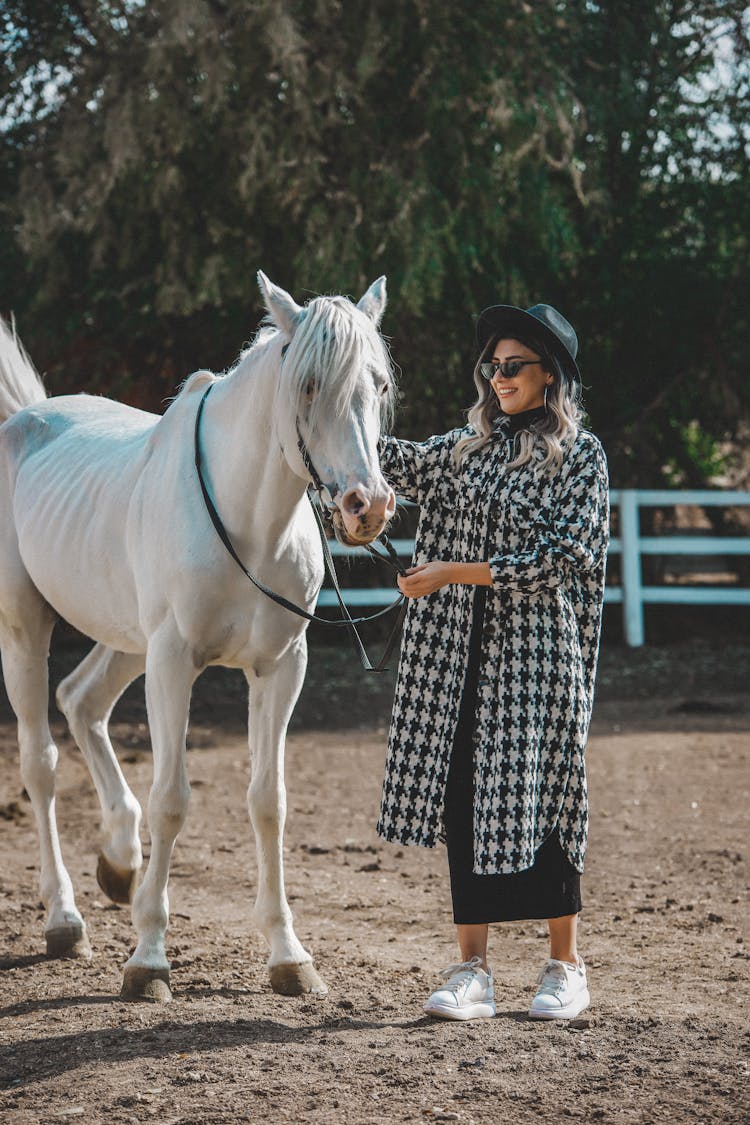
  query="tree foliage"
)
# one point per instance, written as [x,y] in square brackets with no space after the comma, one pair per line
[593,155]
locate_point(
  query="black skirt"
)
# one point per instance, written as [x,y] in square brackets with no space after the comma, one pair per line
[550,888]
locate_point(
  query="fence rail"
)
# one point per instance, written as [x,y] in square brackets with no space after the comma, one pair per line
[631,546]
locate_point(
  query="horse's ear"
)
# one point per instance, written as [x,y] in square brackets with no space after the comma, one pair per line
[283,309]
[374,301]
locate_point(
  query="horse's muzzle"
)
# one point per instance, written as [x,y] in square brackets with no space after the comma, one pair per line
[358,519]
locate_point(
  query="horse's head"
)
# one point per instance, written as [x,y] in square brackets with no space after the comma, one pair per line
[335,391]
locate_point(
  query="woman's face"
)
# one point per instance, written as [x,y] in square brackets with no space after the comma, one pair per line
[526,389]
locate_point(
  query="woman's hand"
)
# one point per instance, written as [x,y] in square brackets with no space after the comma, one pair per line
[429,577]
[425,579]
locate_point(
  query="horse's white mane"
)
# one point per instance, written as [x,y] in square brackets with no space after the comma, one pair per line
[332,346]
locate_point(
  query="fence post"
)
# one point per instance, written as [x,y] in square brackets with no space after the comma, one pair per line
[632,603]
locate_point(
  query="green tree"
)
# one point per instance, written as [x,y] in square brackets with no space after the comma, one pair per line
[663,281]
[589,154]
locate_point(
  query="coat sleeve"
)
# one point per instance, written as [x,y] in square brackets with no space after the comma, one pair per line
[575,541]
[405,464]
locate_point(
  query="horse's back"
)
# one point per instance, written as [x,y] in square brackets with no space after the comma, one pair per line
[83,429]
[87,415]
[63,452]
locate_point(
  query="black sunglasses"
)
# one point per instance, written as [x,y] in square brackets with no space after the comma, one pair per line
[508,370]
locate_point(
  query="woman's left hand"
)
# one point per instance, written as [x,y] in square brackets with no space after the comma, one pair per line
[426,578]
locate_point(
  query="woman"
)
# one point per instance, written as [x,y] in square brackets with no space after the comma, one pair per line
[498,660]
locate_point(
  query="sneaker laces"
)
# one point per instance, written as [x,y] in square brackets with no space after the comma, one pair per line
[460,975]
[553,978]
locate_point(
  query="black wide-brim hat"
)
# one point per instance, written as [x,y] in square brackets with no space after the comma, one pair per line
[541,321]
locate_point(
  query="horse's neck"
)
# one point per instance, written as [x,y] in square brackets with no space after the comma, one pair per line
[253,486]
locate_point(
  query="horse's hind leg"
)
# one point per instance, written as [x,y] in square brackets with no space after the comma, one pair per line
[25,648]
[86,698]
[272,700]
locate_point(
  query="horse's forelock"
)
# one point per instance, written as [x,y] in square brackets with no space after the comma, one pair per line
[335,346]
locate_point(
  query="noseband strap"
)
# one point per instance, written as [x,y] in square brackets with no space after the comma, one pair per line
[347,621]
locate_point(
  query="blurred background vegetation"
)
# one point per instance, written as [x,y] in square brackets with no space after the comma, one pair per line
[593,155]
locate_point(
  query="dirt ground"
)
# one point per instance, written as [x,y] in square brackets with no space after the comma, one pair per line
[663,930]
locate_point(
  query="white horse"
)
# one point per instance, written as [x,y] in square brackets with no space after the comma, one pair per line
[103,523]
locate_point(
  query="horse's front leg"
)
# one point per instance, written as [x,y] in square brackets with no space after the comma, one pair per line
[272,699]
[170,673]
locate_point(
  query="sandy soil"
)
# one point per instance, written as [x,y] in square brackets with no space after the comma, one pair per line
[665,915]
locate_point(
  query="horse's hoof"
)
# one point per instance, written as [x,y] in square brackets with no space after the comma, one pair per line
[297,979]
[150,985]
[118,883]
[70,940]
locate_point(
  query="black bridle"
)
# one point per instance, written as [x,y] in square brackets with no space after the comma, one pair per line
[347,620]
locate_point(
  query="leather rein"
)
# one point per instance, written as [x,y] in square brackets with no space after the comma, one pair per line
[347,621]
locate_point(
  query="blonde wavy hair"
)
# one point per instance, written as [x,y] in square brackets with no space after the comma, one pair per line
[552,435]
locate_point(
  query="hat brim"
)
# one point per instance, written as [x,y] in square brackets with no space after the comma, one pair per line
[507,320]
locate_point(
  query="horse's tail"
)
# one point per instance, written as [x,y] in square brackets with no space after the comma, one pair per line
[20,383]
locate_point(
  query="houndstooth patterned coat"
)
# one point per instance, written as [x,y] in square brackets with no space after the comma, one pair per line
[546,538]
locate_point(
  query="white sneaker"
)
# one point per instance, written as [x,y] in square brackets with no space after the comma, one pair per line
[467,994]
[562,991]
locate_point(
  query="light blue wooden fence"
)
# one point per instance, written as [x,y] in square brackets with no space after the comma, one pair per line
[631,546]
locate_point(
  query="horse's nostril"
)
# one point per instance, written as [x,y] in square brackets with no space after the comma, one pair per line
[355,503]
